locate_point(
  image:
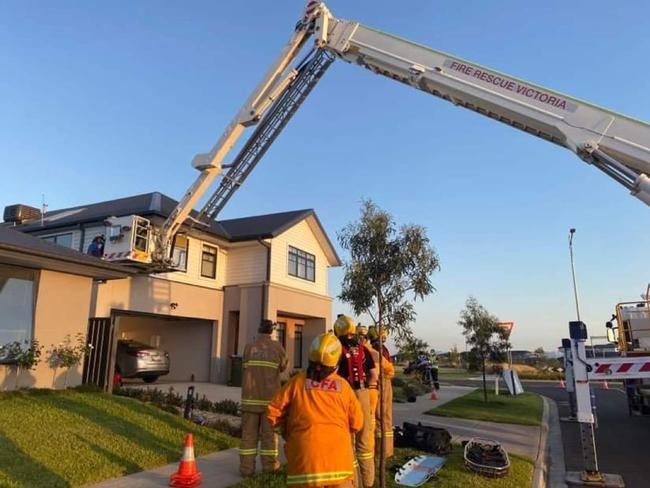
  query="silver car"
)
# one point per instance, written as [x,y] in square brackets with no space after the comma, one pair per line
[138,360]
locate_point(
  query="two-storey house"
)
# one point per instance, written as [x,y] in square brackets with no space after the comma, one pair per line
[230,275]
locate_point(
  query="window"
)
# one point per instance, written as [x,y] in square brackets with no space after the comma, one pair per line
[179,254]
[141,234]
[64,240]
[282,334]
[302,264]
[16,305]
[209,262]
[297,347]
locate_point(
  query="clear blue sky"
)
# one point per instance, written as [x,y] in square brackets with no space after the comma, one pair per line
[107,99]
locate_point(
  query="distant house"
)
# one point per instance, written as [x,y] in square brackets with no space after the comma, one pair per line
[231,275]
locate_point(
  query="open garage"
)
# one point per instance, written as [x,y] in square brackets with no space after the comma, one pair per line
[188,342]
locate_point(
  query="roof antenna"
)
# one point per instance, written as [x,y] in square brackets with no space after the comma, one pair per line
[43,209]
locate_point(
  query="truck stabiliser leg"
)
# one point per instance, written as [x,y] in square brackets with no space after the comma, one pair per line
[591,475]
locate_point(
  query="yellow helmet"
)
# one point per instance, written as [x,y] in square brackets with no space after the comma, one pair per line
[372,332]
[325,349]
[344,325]
[362,330]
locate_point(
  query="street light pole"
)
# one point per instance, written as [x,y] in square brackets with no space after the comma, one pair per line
[573,272]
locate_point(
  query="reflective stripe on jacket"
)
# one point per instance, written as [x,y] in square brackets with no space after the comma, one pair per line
[318,418]
[263,362]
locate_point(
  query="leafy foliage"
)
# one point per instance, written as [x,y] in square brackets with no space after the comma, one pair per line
[386,265]
[487,340]
[68,354]
[410,347]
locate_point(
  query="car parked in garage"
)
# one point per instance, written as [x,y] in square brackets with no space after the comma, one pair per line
[137,360]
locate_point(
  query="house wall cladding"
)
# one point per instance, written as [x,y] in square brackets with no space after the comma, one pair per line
[301,237]
[154,295]
[246,265]
[61,309]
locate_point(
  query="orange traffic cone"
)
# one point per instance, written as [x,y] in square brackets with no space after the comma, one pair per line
[562,385]
[434,395]
[605,385]
[188,475]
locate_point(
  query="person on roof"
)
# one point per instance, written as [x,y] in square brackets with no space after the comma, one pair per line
[264,360]
[317,412]
[96,246]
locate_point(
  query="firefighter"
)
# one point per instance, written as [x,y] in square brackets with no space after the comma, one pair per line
[362,333]
[387,387]
[358,368]
[317,412]
[264,361]
[433,359]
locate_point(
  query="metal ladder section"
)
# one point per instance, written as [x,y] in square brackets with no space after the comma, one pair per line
[309,72]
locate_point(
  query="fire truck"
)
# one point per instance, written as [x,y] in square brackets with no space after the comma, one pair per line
[613,143]
[629,329]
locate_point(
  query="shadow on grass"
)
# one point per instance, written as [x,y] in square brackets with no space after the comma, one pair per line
[119,426]
[20,468]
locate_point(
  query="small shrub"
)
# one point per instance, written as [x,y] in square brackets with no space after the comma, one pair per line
[229,407]
[226,427]
[398,382]
[203,404]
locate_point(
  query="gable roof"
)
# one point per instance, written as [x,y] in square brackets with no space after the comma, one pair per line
[151,204]
[23,249]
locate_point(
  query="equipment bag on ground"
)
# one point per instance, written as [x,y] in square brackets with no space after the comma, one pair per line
[423,437]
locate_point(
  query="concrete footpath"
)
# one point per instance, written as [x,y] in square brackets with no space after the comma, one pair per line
[218,470]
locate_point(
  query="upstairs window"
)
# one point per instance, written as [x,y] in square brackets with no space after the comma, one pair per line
[209,262]
[302,264]
[179,255]
[64,240]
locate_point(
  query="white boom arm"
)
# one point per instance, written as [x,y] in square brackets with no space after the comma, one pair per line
[616,144]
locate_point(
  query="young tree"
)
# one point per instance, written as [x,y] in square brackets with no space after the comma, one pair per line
[483,333]
[388,269]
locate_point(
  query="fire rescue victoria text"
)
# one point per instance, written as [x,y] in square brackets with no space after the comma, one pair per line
[510,85]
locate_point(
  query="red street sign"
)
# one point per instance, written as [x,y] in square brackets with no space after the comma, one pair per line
[508,326]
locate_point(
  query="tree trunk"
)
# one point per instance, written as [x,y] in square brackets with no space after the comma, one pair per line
[382,453]
[484,383]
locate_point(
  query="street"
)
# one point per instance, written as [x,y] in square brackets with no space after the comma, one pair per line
[621,440]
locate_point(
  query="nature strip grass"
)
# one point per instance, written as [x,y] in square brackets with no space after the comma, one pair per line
[452,475]
[62,439]
[524,409]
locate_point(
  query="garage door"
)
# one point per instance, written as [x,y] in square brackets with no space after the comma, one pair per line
[187,341]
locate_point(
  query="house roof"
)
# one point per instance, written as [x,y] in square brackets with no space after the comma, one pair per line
[26,250]
[156,204]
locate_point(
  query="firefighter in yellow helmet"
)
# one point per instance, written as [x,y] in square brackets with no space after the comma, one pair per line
[317,412]
[358,368]
[264,361]
[386,414]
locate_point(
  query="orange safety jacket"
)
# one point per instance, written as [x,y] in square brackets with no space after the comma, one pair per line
[316,419]
[264,360]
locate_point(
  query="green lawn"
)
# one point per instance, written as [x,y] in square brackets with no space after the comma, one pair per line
[69,438]
[455,374]
[453,475]
[525,409]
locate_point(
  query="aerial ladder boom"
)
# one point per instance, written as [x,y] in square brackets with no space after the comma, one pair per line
[615,144]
